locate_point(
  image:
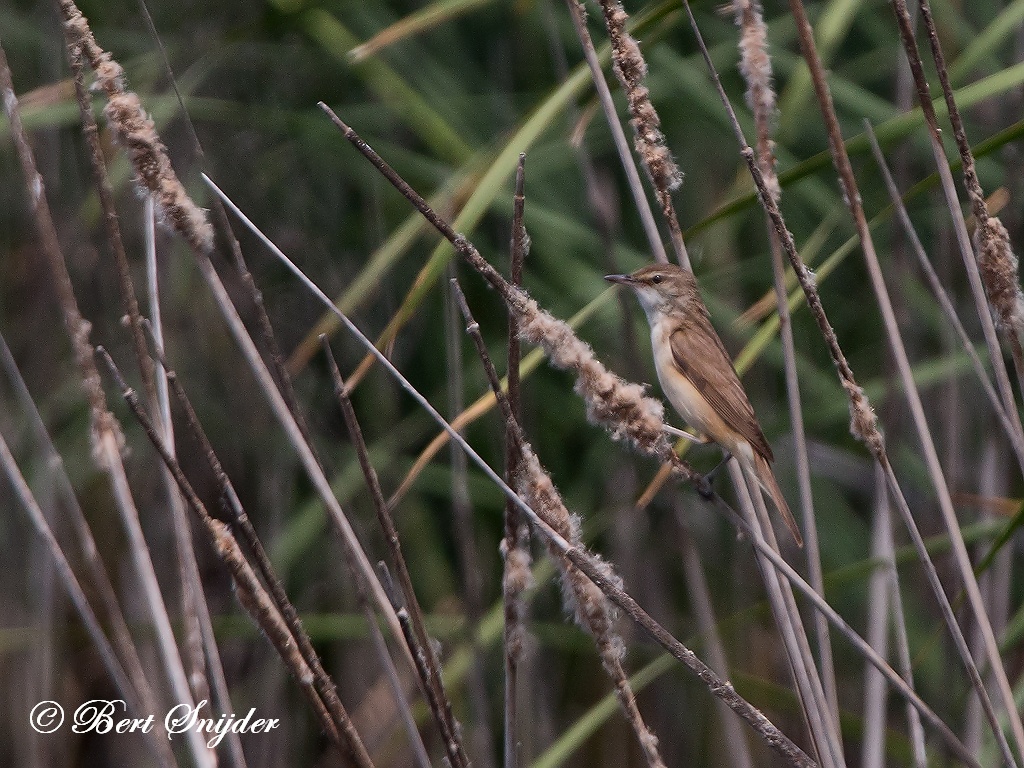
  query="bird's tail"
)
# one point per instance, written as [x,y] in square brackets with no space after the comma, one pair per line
[766,479]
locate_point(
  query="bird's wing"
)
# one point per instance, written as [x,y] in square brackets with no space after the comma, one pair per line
[716,380]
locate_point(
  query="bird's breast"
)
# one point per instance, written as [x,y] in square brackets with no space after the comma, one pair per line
[683,395]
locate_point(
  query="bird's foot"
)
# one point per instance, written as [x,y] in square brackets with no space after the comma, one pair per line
[709,478]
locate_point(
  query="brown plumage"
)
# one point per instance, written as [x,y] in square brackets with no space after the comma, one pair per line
[697,375]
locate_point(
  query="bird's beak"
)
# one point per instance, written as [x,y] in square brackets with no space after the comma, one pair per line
[620,279]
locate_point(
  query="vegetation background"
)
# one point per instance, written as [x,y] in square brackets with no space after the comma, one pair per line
[450,93]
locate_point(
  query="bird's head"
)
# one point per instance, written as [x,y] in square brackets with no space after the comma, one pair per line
[660,287]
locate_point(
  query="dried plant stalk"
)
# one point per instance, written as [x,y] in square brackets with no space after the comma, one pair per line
[517,577]
[105,435]
[195,612]
[996,260]
[134,130]
[136,702]
[736,746]
[241,523]
[589,605]
[863,421]
[1015,438]
[648,140]
[604,94]
[756,68]
[427,665]
[149,158]
[252,595]
[978,290]
[962,557]
[823,728]
[853,200]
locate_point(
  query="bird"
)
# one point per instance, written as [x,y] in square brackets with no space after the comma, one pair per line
[697,374]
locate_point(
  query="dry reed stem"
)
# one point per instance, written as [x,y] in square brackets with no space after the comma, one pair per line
[420,756]
[591,608]
[886,551]
[266,329]
[105,434]
[355,561]
[476,410]
[251,593]
[89,552]
[150,160]
[441,709]
[959,549]
[736,746]
[978,291]
[198,638]
[861,645]
[195,613]
[822,727]
[906,666]
[997,263]
[427,665]
[648,140]
[996,259]
[314,471]
[517,576]
[464,529]
[756,68]
[453,194]
[997,580]
[78,328]
[631,69]
[942,297]
[863,423]
[875,708]
[134,703]
[853,200]
[134,130]
[353,548]
[720,688]
[281,410]
[643,208]
[257,552]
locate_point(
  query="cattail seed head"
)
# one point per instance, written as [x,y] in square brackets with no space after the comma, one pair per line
[999,273]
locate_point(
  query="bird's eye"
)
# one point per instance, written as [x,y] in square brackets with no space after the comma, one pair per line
[656,279]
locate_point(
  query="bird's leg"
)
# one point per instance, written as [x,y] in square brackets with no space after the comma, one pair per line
[698,439]
[710,476]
